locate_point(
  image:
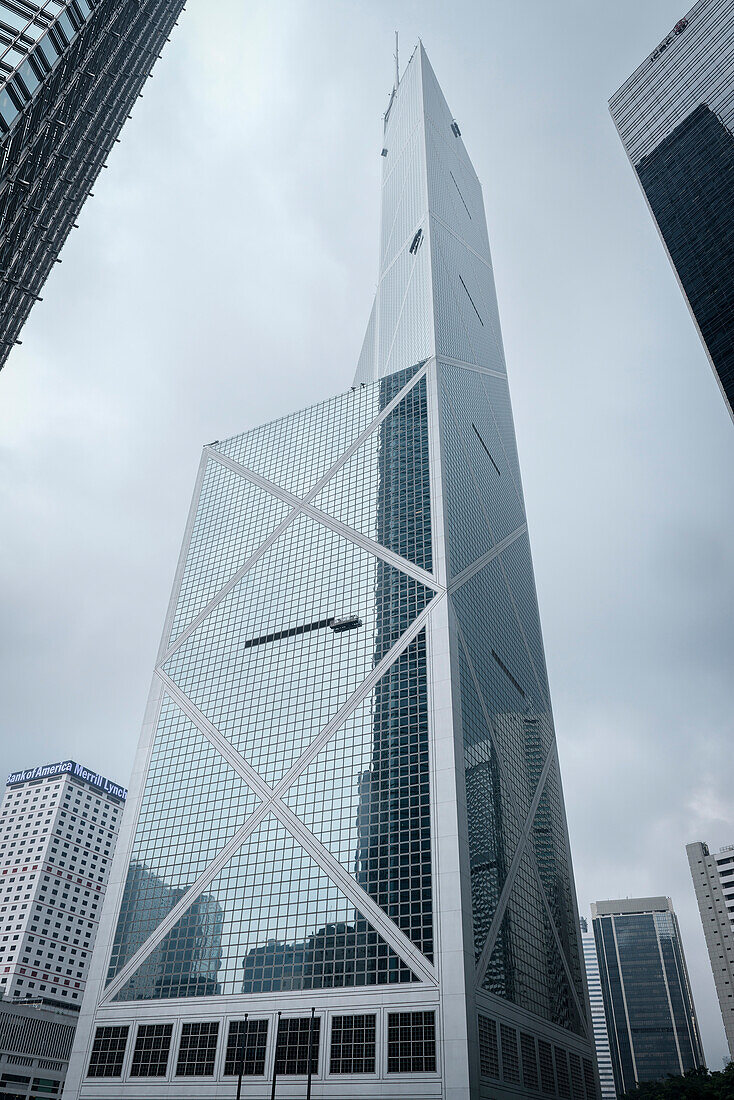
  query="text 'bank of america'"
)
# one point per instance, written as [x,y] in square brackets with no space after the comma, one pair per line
[347,853]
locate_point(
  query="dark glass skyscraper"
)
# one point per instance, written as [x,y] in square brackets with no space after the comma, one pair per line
[349,754]
[70,72]
[675,116]
[651,1021]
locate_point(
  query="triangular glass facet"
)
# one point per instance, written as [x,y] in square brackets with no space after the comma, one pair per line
[193,804]
[521,721]
[366,796]
[494,831]
[270,921]
[553,863]
[384,491]
[405,332]
[404,195]
[266,668]
[233,518]
[525,966]
[296,451]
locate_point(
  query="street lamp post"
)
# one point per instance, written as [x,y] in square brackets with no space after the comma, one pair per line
[275,1059]
[310,1047]
[241,1067]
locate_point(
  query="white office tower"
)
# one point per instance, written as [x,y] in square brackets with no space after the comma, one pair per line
[58,828]
[598,1017]
[713,879]
[346,869]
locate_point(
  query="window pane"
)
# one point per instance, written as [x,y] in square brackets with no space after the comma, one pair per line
[152,1044]
[246,1045]
[108,1052]
[411,1042]
[197,1050]
[353,1044]
[291,1052]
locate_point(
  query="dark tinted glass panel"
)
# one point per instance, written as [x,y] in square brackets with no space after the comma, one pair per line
[529,1061]
[689,183]
[353,1044]
[547,1076]
[562,1075]
[108,1052]
[152,1045]
[411,1042]
[246,1047]
[488,1049]
[197,1049]
[510,1058]
[295,1038]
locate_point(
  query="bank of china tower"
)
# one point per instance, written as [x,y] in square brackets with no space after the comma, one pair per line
[346,867]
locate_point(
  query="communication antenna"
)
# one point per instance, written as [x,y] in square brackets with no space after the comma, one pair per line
[397,62]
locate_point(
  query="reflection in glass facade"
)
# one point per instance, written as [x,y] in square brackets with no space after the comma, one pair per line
[349,797]
[651,1020]
[70,73]
[675,116]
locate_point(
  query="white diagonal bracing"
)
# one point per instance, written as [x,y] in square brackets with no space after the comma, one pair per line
[336,525]
[297,504]
[520,849]
[272,802]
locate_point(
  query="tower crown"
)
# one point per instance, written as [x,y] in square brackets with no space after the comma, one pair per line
[435,291]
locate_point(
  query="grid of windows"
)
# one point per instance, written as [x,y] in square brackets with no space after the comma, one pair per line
[547,1076]
[197,1049]
[529,1061]
[506,718]
[577,1078]
[367,496]
[255,931]
[233,518]
[675,115]
[353,1044]
[590,1081]
[370,804]
[411,1042]
[296,451]
[365,795]
[489,1058]
[510,1058]
[152,1046]
[108,1052]
[246,1046]
[193,803]
[295,1037]
[263,698]
[59,117]
[562,1075]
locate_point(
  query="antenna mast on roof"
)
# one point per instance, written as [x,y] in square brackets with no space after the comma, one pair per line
[397,62]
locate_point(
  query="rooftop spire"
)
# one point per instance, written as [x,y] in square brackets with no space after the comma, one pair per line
[435,293]
[397,62]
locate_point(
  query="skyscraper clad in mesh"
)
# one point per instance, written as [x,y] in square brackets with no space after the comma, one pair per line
[675,116]
[347,797]
[70,72]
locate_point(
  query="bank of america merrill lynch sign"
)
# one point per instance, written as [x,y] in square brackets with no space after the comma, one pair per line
[67,767]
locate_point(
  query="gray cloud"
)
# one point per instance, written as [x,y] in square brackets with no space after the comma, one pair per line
[222,276]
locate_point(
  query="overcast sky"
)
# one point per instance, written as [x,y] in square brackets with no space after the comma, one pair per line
[222,276]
